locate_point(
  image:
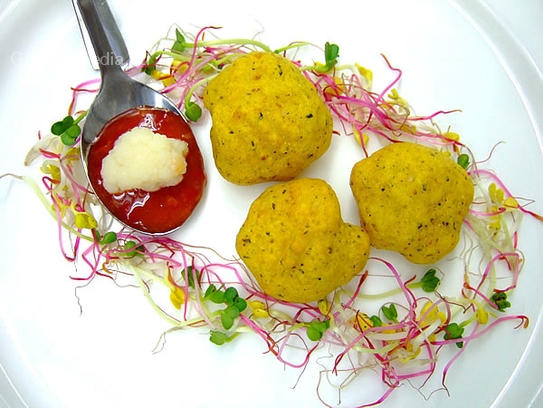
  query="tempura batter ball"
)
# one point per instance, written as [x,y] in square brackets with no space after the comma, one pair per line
[269,122]
[412,199]
[296,244]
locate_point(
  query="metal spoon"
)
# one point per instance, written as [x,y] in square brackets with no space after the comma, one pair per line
[114,35]
[118,92]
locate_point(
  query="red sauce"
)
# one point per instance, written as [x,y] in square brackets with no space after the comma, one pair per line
[158,211]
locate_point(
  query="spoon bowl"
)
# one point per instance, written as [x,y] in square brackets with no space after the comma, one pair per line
[118,92]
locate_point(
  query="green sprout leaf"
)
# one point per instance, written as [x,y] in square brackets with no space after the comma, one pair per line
[188,275]
[67,129]
[179,44]
[213,294]
[316,329]
[227,321]
[430,281]
[230,294]
[376,321]
[313,334]
[210,289]
[331,54]
[216,296]
[232,311]
[240,303]
[150,66]
[500,300]
[390,312]
[109,238]
[60,127]
[454,331]
[463,160]
[193,111]
[132,250]
[69,136]
[219,338]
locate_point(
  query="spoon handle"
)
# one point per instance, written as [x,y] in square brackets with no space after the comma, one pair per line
[115,39]
[104,34]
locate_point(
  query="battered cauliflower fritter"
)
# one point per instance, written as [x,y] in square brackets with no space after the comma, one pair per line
[412,199]
[296,244]
[269,123]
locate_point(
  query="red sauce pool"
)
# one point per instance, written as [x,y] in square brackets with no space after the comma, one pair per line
[158,211]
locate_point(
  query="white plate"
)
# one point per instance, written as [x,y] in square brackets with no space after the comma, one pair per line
[454,55]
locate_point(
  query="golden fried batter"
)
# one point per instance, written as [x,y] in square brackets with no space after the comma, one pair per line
[296,244]
[269,123]
[412,199]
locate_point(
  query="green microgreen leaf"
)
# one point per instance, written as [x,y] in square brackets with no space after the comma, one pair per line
[219,338]
[227,321]
[109,238]
[132,250]
[500,300]
[67,129]
[230,294]
[69,136]
[313,334]
[217,296]
[188,275]
[331,54]
[316,329]
[430,281]
[60,127]
[179,44]
[150,66]
[376,321]
[240,303]
[390,312]
[463,160]
[454,331]
[193,111]
[210,289]
[232,311]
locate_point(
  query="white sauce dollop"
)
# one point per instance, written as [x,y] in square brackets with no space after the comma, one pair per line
[144,159]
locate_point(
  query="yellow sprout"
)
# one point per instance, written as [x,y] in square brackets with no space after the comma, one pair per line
[179,66]
[338,89]
[431,313]
[510,202]
[52,170]
[388,331]
[495,223]
[324,307]
[365,138]
[85,220]
[496,194]
[156,74]
[177,297]
[406,128]
[452,136]
[73,154]
[395,98]
[394,95]
[366,73]
[482,315]
[166,79]
[59,205]
[259,309]
[408,354]
[261,313]
[362,322]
